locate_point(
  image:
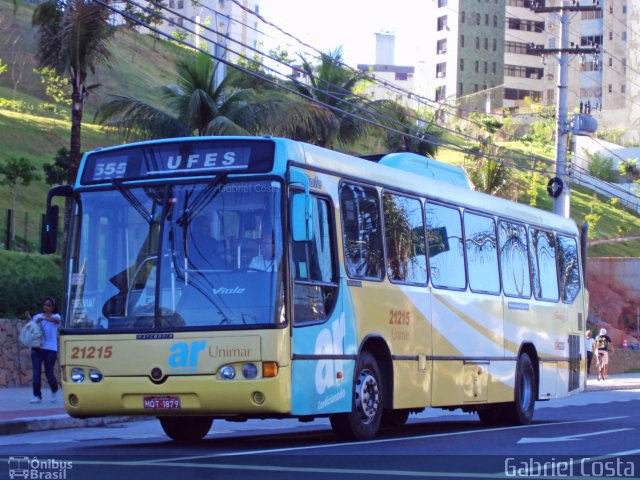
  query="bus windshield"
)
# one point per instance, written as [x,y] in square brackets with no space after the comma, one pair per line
[203,256]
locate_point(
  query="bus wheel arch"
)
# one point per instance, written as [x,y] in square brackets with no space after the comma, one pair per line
[520,411]
[370,387]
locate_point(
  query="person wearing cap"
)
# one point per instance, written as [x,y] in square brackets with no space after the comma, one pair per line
[603,343]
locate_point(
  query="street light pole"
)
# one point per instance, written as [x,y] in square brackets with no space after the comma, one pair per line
[562,203]
[558,187]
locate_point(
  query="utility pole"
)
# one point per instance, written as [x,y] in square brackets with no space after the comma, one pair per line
[558,187]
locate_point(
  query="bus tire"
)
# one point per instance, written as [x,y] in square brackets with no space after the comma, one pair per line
[186,429]
[394,418]
[520,411]
[363,422]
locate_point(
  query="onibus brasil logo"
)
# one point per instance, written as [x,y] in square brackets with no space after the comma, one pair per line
[33,468]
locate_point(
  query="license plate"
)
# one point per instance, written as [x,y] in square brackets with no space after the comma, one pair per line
[161,403]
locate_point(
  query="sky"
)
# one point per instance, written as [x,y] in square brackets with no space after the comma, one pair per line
[352,24]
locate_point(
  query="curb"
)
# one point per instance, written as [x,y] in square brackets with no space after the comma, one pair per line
[598,388]
[55,422]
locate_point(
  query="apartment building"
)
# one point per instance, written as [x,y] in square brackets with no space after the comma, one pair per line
[479,57]
[222,27]
[391,80]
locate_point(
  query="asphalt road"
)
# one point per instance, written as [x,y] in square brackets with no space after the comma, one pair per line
[587,436]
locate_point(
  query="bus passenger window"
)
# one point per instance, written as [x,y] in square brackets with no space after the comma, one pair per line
[446,256]
[362,232]
[568,268]
[315,288]
[514,260]
[543,265]
[404,237]
[482,254]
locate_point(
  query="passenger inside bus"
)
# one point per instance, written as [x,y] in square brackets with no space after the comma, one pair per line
[204,251]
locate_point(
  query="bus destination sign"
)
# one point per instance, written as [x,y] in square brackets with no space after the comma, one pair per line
[150,160]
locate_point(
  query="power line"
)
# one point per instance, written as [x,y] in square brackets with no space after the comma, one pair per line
[434,140]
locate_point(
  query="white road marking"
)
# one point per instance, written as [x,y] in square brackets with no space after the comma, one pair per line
[569,438]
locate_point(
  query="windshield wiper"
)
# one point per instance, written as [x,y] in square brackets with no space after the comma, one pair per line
[202,199]
[131,198]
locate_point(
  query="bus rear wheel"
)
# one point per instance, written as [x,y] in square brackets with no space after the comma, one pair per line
[186,429]
[520,411]
[363,422]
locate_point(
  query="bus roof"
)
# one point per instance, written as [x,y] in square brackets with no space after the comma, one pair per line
[387,175]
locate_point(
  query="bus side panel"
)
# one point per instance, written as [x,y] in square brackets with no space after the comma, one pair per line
[543,325]
[410,334]
[323,385]
[467,337]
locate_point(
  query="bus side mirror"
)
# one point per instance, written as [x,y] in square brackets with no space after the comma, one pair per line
[49,237]
[301,217]
[301,209]
[50,230]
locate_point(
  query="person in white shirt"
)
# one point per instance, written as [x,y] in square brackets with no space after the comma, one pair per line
[49,320]
[266,260]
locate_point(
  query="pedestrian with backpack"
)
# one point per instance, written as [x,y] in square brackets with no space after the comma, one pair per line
[47,353]
[603,346]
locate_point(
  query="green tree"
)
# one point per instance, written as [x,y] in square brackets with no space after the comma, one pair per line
[332,85]
[73,38]
[421,137]
[3,67]
[196,106]
[629,167]
[56,172]
[594,215]
[55,87]
[600,166]
[16,172]
[487,174]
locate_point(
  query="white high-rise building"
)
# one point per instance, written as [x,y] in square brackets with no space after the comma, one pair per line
[221,27]
[392,80]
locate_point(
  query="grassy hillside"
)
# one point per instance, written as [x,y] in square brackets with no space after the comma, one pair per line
[138,68]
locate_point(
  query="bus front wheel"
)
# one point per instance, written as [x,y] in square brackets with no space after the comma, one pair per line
[363,422]
[186,429]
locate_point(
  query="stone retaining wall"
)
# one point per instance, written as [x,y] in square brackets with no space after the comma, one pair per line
[15,360]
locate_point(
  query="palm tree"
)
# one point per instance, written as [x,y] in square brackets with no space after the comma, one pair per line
[195,105]
[73,39]
[420,136]
[332,85]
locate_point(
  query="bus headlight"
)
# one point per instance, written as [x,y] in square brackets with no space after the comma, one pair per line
[77,375]
[249,371]
[95,375]
[228,372]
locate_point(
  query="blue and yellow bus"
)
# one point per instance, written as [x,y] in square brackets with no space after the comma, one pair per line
[255,277]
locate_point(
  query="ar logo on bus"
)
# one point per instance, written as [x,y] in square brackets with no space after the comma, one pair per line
[184,355]
[329,342]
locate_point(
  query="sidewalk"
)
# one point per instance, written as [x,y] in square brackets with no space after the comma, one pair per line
[17,415]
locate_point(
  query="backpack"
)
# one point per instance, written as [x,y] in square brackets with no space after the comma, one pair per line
[32,334]
[601,342]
